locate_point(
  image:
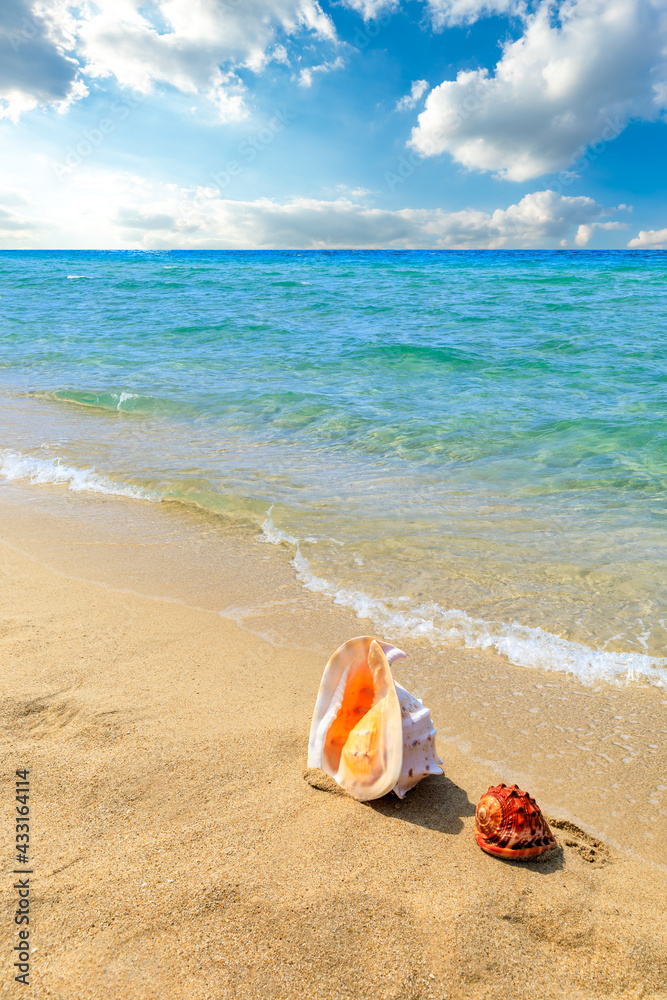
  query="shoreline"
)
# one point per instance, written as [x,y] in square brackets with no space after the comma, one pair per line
[574,745]
[580,631]
[179,851]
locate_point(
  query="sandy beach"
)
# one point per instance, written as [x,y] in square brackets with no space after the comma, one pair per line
[182,850]
[333,326]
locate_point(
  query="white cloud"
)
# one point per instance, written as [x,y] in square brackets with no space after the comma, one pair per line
[354,192]
[650,239]
[200,218]
[443,13]
[92,207]
[417,91]
[196,46]
[586,230]
[448,12]
[577,76]
[33,69]
[371,10]
[306,74]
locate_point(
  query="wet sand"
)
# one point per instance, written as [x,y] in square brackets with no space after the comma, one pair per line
[181,849]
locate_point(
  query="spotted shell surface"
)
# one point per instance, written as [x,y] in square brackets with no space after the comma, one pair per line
[509,824]
[420,758]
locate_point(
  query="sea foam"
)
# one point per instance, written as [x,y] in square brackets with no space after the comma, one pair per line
[14,465]
[523,645]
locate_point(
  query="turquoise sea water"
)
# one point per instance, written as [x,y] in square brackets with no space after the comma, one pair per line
[466,446]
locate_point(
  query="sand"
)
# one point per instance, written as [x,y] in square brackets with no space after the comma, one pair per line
[182,850]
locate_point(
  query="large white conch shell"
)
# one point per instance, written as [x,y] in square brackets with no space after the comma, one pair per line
[368,732]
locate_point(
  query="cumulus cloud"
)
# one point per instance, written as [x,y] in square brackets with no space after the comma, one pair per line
[371,10]
[650,239]
[97,207]
[33,68]
[417,91]
[445,13]
[201,218]
[586,230]
[196,46]
[577,76]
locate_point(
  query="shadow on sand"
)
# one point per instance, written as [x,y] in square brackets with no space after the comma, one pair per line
[437,803]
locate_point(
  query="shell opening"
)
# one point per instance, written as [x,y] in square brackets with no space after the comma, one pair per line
[371,757]
[368,732]
[357,701]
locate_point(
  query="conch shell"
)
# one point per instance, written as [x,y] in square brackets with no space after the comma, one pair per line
[368,732]
[509,824]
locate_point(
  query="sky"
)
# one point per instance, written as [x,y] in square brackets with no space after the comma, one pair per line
[161,124]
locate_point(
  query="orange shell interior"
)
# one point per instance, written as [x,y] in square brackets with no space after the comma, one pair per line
[357,702]
[364,744]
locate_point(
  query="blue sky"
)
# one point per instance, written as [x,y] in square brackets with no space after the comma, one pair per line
[292,123]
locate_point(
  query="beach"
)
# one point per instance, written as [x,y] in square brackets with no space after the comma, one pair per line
[179,851]
[333,469]
[216,468]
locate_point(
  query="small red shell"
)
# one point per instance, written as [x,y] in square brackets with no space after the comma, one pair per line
[509,824]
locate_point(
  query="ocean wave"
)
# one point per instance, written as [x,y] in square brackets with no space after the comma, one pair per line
[189,492]
[119,401]
[417,354]
[523,645]
[14,465]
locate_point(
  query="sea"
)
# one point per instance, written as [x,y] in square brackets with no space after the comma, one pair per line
[468,447]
